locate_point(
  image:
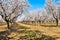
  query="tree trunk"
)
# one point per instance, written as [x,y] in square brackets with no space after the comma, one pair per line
[56,22]
[8,25]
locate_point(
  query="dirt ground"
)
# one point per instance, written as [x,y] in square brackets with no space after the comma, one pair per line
[44,29]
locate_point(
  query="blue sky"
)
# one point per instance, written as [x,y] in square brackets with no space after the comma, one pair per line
[35,4]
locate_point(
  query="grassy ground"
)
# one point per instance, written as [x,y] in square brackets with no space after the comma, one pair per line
[28,31]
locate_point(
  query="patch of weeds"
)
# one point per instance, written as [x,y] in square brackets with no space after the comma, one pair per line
[32,35]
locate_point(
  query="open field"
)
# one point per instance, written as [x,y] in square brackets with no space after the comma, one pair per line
[24,31]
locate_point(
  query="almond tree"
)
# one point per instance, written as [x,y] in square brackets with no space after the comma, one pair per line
[58,7]
[52,10]
[11,9]
[32,16]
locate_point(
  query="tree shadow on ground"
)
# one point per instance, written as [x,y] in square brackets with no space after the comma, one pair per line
[50,25]
[16,26]
[4,35]
[13,28]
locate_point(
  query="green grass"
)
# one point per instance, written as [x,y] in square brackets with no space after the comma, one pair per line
[33,35]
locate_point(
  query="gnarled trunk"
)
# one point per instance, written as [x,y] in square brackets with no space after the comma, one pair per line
[56,22]
[8,25]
